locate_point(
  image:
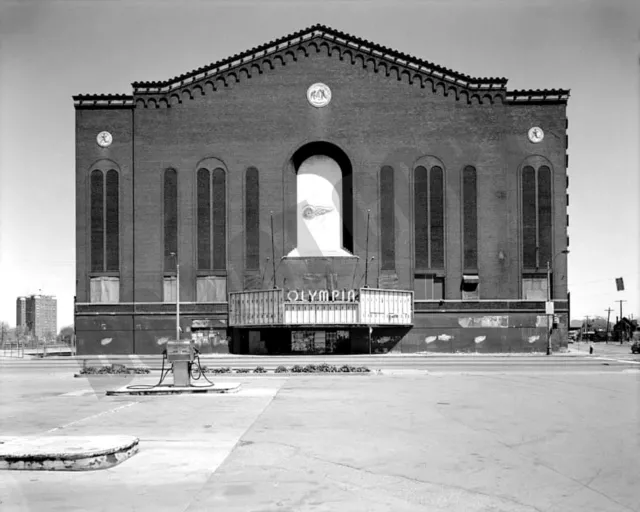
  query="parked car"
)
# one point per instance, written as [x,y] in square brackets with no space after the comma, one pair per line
[635,343]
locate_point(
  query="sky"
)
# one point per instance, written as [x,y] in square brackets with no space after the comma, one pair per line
[51,50]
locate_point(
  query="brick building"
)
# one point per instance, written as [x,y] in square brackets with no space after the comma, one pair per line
[321,193]
[39,315]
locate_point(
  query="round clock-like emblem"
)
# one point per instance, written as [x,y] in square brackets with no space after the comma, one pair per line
[536,135]
[319,95]
[104,139]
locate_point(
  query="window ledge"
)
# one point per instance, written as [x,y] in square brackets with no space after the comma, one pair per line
[104,274]
[211,273]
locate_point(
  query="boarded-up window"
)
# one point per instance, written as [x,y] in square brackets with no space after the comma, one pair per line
[105,289]
[211,289]
[169,288]
[387,219]
[97,221]
[204,219]
[252,219]
[534,288]
[470,218]
[429,217]
[428,287]
[170,219]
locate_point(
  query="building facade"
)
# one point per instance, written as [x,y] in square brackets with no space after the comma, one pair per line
[324,194]
[39,315]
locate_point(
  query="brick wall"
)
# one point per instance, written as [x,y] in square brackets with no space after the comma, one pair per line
[375,119]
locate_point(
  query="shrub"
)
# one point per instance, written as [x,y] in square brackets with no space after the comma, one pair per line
[259,369]
[296,369]
[224,369]
[310,368]
[242,370]
[114,369]
[326,368]
[281,369]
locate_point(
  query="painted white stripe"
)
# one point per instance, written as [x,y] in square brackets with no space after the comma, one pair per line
[92,417]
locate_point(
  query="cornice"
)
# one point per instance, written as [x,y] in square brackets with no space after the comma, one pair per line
[319,38]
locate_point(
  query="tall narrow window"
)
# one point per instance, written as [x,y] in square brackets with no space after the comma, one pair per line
[387,219]
[470,219]
[211,282]
[529,220]
[97,221]
[105,236]
[429,217]
[252,219]
[544,215]
[112,248]
[219,220]
[421,218]
[436,208]
[537,219]
[105,222]
[170,219]
[204,219]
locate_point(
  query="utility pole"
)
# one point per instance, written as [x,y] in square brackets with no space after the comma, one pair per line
[548,315]
[608,310]
[177,296]
[366,261]
[621,301]
[586,327]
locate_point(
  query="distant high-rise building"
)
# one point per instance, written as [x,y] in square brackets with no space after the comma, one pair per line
[38,314]
[21,312]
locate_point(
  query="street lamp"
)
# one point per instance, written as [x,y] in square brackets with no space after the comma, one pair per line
[549,295]
[174,255]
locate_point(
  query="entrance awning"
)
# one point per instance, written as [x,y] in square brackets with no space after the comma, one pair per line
[471,278]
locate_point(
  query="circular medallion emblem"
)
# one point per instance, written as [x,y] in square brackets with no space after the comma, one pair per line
[536,135]
[104,139]
[319,95]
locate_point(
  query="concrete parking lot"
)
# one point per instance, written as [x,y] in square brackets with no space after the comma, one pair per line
[467,441]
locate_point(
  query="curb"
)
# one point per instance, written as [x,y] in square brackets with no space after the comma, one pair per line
[62,453]
[142,389]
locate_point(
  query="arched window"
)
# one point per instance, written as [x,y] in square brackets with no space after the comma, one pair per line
[387,219]
[170,219]
[212,232]
[105,222]
[252,219]
[470,219]
[536,217]
[429,217]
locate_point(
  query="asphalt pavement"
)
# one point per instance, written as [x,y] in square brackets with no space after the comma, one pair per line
[549,434]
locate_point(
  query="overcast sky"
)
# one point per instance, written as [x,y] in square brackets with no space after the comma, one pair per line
[52,50]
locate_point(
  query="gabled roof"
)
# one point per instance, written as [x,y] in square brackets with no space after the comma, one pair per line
[369,54]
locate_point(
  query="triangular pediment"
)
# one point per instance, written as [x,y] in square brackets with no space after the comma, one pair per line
[320,39]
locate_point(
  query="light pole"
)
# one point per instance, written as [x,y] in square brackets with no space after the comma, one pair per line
[549,296]
[177,296]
